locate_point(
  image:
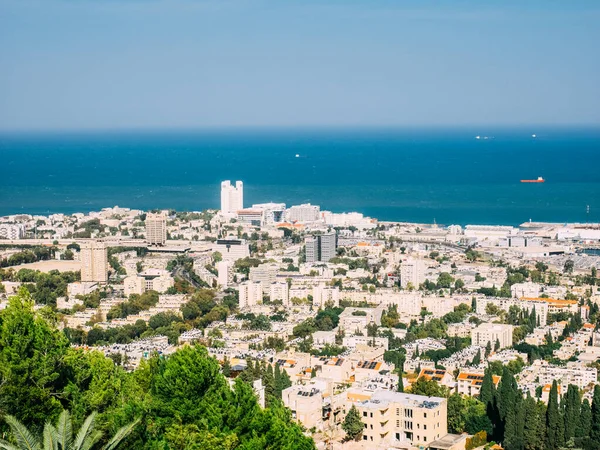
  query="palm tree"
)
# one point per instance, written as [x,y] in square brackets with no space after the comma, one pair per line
[60,437]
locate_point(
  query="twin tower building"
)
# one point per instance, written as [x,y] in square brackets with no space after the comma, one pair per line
[232,197]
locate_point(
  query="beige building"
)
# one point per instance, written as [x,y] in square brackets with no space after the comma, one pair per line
[265,273]
[250,293]
[412,271]
[94,260]
[396,419]
[323,294]
[150,280]
[280,291]
[156,229]
[492,333]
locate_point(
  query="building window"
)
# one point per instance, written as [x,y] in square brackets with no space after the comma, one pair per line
[408,413]
[365,425]
[364,414]
[397,424]
[397,411]
[424,427]
[371,414]
[364,438]
[425,415]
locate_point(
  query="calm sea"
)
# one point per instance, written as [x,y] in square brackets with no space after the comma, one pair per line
[419,175]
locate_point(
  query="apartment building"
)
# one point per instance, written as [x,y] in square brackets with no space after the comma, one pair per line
[279,291]
[492,333]
[412,270]
[225,273]
[156,229]
[265,274]
[323,294]
[396,419]
[94,262]
[149,280]
[251,293]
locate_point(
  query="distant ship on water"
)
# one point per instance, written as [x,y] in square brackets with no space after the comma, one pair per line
[539,180]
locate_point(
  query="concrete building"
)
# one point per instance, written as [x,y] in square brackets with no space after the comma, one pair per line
[412,270]
[225,273]
[232,197]
[232,249]
[94,260]
[303,213]
[251,293]
[321,247]
[323,294]
[392,418]
[540,306]
[149,280]
[156,229]
[265,273]
[11,231]
[273,213]
[254,217]
[492,333]
[279,291]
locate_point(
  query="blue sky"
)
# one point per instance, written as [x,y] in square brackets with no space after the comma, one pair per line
[119,64]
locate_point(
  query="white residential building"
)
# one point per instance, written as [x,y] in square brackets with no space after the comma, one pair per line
[251,293]
[232,197]
[11,231]
[323,294]
[492,332]
[412,271]
[279,291]
[225,273]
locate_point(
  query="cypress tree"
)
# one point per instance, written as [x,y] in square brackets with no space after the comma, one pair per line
[269,385]
[553,420]
[572,411]
[400,382]
[595,429]
[277,379]
[514,425]
[477,359]
[497,345]
[532,425]
[486,392]
[488,349]
[226,367]
[508,393]
[584,425]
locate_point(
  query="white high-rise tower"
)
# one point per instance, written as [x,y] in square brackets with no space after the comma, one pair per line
[94,262]
[232,198]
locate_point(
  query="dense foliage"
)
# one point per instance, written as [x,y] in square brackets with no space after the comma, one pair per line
[182,402]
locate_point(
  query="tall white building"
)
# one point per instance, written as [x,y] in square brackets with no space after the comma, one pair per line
[412,271]
[265,273]
[250,293]
[232,197]
[303,213]
[225,273]
[94,261]
[156,229]
[280,291]
[232,248]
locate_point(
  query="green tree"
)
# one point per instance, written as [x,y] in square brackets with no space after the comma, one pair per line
[430,388]
[594,441]
[584,425]
[31,353]
[553,420]
[533,433]
[572,411]
[352,424]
